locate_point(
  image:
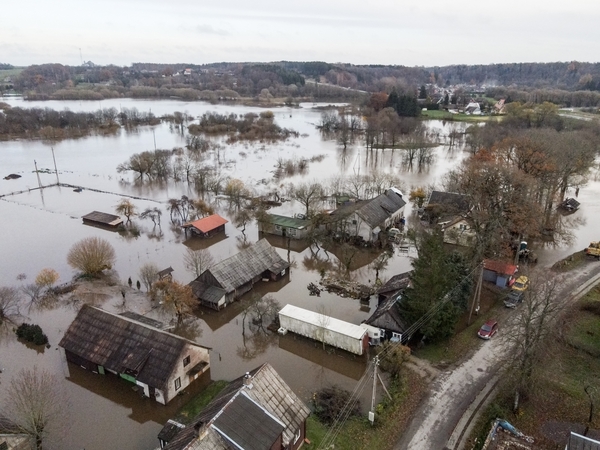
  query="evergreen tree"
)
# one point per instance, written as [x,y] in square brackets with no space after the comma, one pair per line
[423,92]
[436,273]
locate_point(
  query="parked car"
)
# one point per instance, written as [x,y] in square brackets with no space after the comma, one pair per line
[514,298]
[488,329]
[521,284]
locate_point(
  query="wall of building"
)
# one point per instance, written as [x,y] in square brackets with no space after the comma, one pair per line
[196,354]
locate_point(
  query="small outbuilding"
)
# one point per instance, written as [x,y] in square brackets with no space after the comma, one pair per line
[229,279]
[499,272]
[331,331]
[388,318]
[207,226]
[291,227]
[160,363]
[100,219]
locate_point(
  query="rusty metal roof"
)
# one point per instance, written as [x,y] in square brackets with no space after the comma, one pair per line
[207,224]
[125,345]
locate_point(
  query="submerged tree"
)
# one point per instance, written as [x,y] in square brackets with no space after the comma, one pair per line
[174,298]
[148,275]
[9,305]
[127,208]
[197,261]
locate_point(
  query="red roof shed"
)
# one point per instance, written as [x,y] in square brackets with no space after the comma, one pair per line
[207,224]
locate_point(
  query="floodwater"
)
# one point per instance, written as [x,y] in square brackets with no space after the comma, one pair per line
[39,226]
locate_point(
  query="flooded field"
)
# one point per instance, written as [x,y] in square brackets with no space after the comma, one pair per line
[39,226]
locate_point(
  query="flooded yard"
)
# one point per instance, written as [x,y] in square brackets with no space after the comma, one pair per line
[39,227]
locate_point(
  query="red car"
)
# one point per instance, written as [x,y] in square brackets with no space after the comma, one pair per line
[488,329]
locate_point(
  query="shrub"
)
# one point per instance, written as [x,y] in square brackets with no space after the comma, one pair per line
[328,402]
[32,333]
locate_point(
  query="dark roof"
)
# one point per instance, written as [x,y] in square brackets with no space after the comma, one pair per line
[388,316]
[450,202]
[125,345]
[396,283]
[143,319]
[251,262]
[344,211]
[7,426]
[248,425]
[169,270]
[206,292]
[377,210]
[103,218]
[266,389]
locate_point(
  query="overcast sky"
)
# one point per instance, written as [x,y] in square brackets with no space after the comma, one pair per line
[406,32]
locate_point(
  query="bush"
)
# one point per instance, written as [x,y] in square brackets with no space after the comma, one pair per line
[328,402]
[32,333]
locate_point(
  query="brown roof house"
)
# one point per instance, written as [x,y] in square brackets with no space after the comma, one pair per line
[160,363]
[207,226]
[231,278]
[445,206]
[258,411]
[368,217]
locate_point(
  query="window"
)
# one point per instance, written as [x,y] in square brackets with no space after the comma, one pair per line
[186,361]
[177,383]
[291,232]
[277,227]
[297,435]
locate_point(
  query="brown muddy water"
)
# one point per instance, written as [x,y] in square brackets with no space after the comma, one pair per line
[38,227]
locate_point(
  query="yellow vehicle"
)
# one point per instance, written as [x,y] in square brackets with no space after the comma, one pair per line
[593,249]
[521,284]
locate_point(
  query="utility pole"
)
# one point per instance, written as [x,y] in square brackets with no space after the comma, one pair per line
[55,169]
[477,295]
[154,135]
[37,173]
[372,412]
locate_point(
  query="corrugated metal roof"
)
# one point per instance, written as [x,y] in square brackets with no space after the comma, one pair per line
[397,282]
[207,224]
[206,292]
[287,222]
[251,262]
[105,218]
[316,319]
[120,343]
[267,389]
[579,442]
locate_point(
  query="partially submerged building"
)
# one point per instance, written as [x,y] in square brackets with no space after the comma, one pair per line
[388,318]
[322,328]
[291,227]
[258,411]
[207,226]
[160,363]
[229,279]
[103,220]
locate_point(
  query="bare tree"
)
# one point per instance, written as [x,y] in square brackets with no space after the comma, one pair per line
[527,333]
[91,255]
[323,322]
[380,263]
[154,214]
[308,194]
[148,275]
[127,208]
[197,261]
[37,405]
[9,305]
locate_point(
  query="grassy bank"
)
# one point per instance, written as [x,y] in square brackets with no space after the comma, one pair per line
[391,419]
[198,402]
[557,401]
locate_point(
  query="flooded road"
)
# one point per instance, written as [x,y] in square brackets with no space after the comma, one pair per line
[39,226]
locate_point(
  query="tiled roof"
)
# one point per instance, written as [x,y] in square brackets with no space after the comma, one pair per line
[124,345]
[500,267]
[242,267]
[206,292]
[207,224]
[396,283]
[267,389]
[454,203]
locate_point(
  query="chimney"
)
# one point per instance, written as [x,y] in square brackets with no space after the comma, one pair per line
[247,379]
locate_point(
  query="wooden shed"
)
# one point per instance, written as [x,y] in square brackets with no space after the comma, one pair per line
[100,219]
[207,226]
[160,363]
[498,272]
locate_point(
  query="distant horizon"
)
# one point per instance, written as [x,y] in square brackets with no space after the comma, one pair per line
[411,33]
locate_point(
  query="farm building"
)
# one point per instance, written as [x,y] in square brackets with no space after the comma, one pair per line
[160,363]
[207,226]
[291,227]
[331,331]
[388,317]
[498,272]
[231,278]
[255,411]
[100,219]
[368,217]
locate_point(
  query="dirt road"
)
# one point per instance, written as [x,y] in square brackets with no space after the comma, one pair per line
[453,403]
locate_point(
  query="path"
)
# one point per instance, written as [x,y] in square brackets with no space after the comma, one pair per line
[444,418]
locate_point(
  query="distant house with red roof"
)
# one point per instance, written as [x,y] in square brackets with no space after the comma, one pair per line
[499,272]
[207,226]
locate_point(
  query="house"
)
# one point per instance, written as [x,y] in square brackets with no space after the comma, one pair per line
[257,411]
[459,231]
[291,227]
[331,331]
[393,286]
[473,108]
[165,274]
[12,437]
[498,272]
[500,107]
[160,363]
[231,278]
[444,206]
[388,317]
[367,218]
[103,220]
[207,226]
